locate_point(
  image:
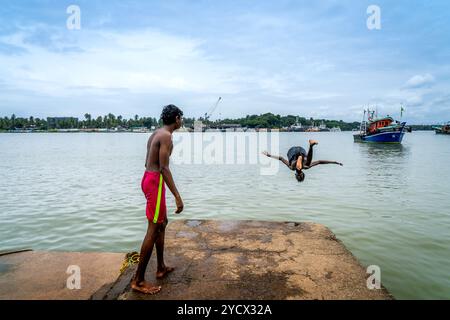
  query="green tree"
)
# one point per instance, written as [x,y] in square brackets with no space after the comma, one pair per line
[88,118]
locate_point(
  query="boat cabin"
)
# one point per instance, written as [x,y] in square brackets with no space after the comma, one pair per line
[380,123]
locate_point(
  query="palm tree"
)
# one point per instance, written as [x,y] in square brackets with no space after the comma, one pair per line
[111,120]
[88,118]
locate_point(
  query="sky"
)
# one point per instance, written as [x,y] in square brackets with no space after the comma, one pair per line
[309,58]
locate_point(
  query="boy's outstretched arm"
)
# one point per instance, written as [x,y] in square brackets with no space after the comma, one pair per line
[277,157]
[315,163]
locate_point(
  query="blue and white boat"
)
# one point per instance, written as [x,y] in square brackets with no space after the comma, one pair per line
[383,130]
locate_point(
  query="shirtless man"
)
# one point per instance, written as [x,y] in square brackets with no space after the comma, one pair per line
[299,160]
[157,174]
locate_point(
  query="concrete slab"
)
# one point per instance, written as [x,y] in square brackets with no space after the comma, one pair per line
[42,275]
[252,260]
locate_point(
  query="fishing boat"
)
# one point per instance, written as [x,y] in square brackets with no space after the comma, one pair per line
[445,129]
[380,130]
[335,129]
[313,128]
[296,127]
[323,127]
[212,130]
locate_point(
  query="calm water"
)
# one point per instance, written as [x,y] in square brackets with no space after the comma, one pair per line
[389,204]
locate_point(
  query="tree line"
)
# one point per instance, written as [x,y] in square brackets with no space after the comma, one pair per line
[267,120]
[100,122]
[270,120]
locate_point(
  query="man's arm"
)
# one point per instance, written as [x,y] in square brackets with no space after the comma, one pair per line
[277,157]
[315,163]
[164,155]
[146,158]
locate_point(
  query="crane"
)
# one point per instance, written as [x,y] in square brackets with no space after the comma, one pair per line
[213,108]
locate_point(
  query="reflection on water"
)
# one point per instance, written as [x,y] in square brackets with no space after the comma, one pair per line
[384,165]
[387,151]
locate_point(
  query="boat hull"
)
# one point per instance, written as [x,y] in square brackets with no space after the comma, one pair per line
[383,137]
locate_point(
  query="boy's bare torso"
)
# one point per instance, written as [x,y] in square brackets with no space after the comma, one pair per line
[153,148]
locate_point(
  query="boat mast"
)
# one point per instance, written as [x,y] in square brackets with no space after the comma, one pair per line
[362,125]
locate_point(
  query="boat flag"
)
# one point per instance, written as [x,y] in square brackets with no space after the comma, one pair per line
[401,111]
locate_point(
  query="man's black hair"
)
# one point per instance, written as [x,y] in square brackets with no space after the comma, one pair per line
[170,114]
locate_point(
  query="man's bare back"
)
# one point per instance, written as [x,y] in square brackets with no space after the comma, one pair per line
[152,160]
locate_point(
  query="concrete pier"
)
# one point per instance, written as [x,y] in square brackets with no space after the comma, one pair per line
[253,260]
[39,275]
[213,260]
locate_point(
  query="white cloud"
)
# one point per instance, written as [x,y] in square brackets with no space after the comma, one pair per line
[258,63]
[142,61]
[419,81]
[89,66]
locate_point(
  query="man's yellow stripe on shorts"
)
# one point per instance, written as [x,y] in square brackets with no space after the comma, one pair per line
[158,200]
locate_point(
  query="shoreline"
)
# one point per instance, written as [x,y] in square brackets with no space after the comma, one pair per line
[245,130]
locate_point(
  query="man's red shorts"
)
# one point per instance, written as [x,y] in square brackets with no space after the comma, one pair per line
[155,192]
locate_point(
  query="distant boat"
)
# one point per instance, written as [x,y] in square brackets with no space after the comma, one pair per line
[140,129]
[445,129]
[68,130]
[384,130]
[296,127]
[335,129]
[21,130]
[313,129]
[323,127]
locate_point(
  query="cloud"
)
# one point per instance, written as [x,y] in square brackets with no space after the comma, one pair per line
[142,60]
[286,57]
[92,65]
[419,81]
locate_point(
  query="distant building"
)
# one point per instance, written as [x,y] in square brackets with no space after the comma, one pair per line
[230,126]
[62,122]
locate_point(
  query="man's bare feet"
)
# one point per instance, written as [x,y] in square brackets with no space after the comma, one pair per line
[313,142]
[145,287]
[164,272]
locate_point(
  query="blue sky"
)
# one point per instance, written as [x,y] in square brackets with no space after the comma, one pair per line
[311,58]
